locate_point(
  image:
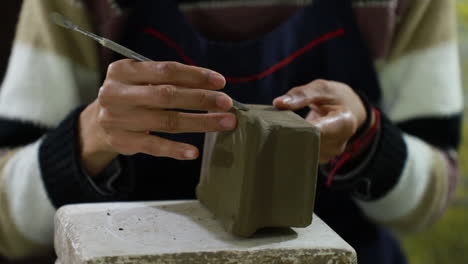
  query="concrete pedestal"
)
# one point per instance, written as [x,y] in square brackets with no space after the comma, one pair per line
[183,232]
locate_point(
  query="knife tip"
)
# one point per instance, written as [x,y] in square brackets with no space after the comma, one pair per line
[60,20]
[239,105]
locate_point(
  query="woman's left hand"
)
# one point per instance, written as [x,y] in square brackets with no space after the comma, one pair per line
[334,108]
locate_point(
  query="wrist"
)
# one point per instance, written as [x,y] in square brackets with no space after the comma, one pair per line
[367,119]
[94,153]
[368,125]
[356,150]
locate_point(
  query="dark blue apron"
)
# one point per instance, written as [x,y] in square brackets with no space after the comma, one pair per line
[320,40]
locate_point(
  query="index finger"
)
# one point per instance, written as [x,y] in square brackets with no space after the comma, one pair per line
[165,72]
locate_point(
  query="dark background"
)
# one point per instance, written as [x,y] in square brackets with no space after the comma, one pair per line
[7,31]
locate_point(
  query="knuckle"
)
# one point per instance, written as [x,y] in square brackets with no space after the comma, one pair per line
[169,122]
[323,85]
[105,92]
[298,91]
[161,67]
[165,94]
[206,124]
[104,118]
[166,67]
[321,82]
[204,100]
[116,67]
[121,68]
[101,97]
[112,68]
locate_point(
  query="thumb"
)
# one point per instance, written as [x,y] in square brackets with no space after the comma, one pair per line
[295,99]
[316,92]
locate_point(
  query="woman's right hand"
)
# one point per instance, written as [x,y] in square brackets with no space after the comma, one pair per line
[133,101]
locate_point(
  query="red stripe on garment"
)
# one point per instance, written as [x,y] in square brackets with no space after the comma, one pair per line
[170,43]
[283,63]
[288,59]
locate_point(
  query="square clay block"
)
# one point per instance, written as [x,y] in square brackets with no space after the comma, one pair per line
[183,232]
[263,174]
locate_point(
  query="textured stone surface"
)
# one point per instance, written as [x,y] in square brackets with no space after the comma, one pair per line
[183,232]
[263,174]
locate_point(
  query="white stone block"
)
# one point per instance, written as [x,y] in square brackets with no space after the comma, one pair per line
[183,232]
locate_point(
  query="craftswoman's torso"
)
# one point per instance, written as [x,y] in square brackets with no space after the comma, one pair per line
[261,59]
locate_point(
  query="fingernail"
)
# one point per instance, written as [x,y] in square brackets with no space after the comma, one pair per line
[223,102]
[287,99]
[190,154]
[228,122]
[217,79]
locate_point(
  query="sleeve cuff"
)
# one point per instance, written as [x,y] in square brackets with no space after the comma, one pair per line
[378,172]
[385,167]
[107,182]
[62,173]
